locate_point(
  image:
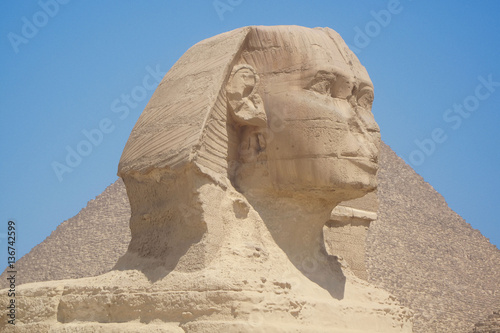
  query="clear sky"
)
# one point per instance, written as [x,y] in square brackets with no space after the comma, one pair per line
[70,68]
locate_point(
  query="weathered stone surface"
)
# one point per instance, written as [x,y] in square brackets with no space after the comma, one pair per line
[459,315]
[490,325]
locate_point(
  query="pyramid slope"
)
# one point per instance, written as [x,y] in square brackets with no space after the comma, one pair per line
[428,256]
[87,244]
[418,249]
[490,325]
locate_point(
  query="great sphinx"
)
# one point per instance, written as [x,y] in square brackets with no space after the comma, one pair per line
[232,170]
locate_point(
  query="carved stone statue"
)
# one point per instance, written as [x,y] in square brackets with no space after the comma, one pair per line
[232,171]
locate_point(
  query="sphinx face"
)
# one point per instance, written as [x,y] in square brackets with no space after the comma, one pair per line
[321,136]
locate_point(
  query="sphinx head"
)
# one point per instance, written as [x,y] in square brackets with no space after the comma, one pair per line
[269,111]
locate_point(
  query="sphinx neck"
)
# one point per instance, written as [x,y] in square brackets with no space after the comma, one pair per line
[295,223]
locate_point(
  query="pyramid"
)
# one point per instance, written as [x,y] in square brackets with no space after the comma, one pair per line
[418,249]
[427,255]
[490,325]
[87,244]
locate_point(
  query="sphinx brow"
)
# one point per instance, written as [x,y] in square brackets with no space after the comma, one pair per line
[325,72]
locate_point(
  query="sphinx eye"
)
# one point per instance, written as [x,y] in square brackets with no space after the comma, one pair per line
[322,87]
[322,83]
[365,97]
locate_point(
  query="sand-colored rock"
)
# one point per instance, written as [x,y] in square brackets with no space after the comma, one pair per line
[345,233]
[490,325]
[232,171]
[106,219]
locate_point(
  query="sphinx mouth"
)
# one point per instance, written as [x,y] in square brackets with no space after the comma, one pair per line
[367,164]
[364,163]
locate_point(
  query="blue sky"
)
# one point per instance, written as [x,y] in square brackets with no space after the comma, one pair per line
[67,66]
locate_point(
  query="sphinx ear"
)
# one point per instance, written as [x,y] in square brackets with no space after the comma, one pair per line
[243,101]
